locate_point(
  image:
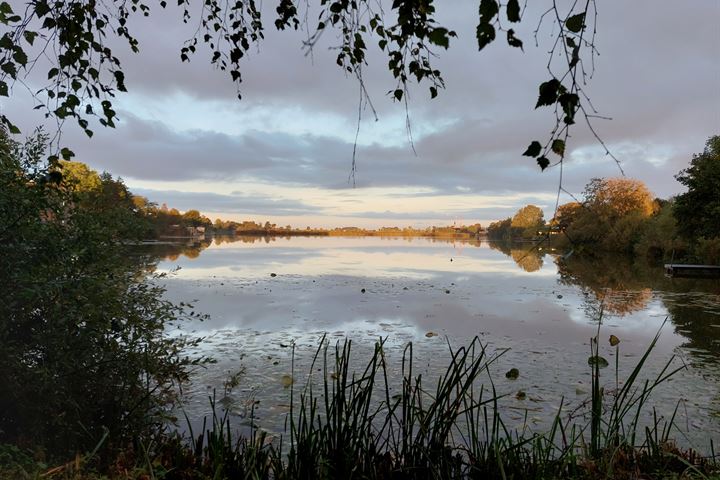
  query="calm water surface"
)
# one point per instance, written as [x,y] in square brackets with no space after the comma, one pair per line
[538,308]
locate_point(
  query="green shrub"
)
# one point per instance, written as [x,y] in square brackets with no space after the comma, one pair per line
[84,350]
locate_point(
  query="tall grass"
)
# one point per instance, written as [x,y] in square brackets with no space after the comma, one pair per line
[361,423]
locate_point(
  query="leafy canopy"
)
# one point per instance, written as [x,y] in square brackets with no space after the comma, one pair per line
[84,73]
[697,211]
[82,327]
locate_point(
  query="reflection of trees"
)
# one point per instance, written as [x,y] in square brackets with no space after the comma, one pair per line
[503,247]
[697,316]
[172,251]
[623,302]
[625,286]
[529,260]
[615,281]
[527,257]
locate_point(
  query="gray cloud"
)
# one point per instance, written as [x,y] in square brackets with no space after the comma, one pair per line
[236,203]
[657,76]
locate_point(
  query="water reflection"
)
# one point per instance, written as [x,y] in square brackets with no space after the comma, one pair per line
[625,286]
[540,304]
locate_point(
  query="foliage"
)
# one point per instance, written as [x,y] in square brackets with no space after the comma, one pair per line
[500,230]
[528,220]
[85,355]
[566,214]
[360,423]
[698,210]
[613,198]
[612,215]
[659,236]
[523,225]
[708,249]
[79,40]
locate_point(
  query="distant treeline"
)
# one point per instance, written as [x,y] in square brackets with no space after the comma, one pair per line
[621,215]
[164,222]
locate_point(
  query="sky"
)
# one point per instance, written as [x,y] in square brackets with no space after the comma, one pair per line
[284,152]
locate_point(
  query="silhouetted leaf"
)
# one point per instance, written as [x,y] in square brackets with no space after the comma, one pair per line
[66,153]
[439,36]
[533,150]
[513,10]
[488,10]
[513,41]
[485,35]
[543,162]
[558,146]
[569,103]
[575,23]
[614,340]
[398,94]
[29,36]
[548,92]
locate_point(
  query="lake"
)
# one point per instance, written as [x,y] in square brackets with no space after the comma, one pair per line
[271,301]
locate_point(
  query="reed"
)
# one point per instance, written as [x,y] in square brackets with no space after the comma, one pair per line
[350,424]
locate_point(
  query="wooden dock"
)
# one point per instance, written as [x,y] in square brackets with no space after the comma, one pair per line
[692,271]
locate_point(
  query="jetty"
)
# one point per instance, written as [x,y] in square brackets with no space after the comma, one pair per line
[692,271]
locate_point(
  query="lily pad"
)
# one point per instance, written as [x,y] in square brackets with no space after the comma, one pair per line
[431,334]
[512,374]
[286,381]
[598,360]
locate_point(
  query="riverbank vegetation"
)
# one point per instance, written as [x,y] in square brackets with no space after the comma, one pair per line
[360,422]
[621,215]
[84,354]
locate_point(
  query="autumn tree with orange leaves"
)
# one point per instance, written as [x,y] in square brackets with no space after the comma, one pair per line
[612,215]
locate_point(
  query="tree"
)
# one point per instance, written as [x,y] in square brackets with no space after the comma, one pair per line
[566,215]
[613,214]
[527,221]
[79,178]
[82,328]
[500,230]
[697,211]
[84,73]
[613,198]
[528,217]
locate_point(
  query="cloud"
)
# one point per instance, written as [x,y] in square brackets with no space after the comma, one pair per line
[230,204]
[289,142]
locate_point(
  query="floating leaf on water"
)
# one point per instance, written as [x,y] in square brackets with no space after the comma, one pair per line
[447,291]
[598,360]
[286,381]
[273,274]
[520,395]
[614,340]
[431,334]
[512,374]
